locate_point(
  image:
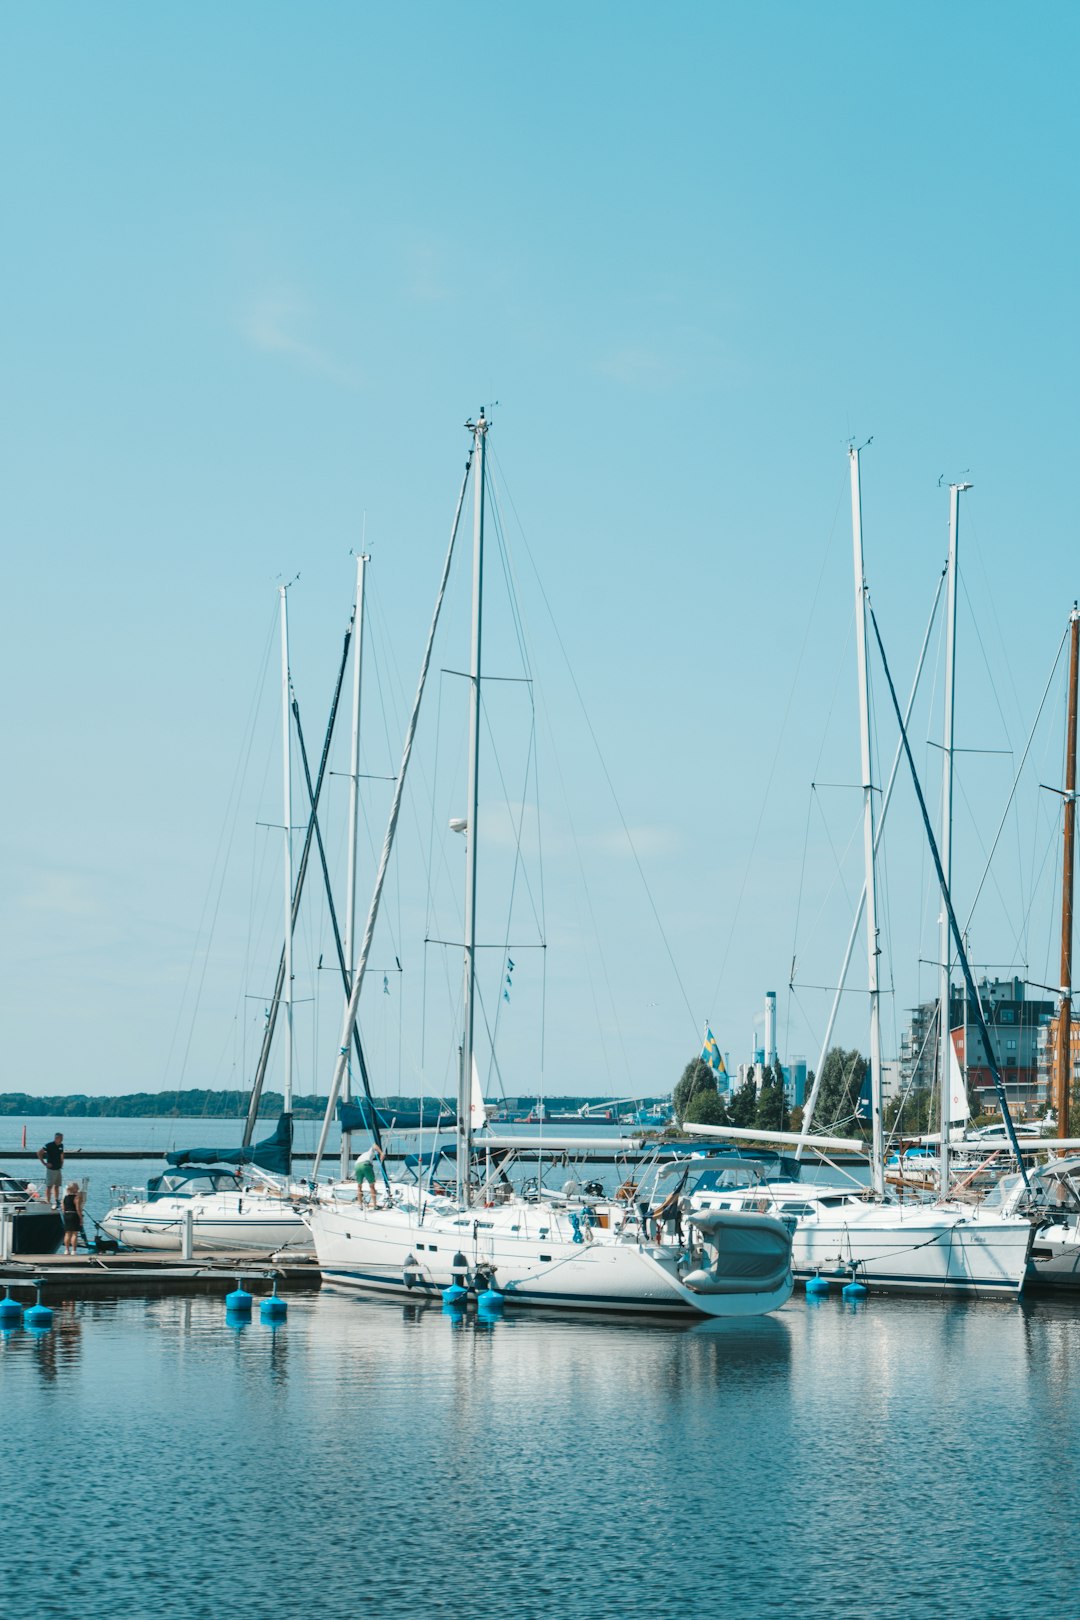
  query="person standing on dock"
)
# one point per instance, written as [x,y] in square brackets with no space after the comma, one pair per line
[72,1211]
[365,1173]
[52,1157]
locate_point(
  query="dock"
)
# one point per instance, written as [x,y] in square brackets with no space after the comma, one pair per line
[149,1274]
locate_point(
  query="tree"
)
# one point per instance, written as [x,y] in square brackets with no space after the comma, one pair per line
[696,1077]
[911,1115]
[771,1111]
[743,1110]
[842,1076]
[706,1108]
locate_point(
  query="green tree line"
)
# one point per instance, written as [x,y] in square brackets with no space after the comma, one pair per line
[155,1105]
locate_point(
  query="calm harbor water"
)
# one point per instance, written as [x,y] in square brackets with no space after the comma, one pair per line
[902,1458]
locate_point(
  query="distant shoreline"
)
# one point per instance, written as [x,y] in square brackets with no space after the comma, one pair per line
[155,1105]
[214,1105]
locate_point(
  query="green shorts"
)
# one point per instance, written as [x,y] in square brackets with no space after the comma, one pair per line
[365,1172]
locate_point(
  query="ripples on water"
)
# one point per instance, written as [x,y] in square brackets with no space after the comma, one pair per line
[902,1459]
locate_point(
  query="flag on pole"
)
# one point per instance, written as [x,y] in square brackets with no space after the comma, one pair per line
[711,1054]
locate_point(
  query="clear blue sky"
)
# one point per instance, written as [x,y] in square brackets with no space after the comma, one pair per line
[262,260]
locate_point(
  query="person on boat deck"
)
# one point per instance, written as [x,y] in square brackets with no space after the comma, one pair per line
[365,1173]
[72,1211]
[669,1214]
[52,1157]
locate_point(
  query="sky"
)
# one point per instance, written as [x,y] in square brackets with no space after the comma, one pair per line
[262,262]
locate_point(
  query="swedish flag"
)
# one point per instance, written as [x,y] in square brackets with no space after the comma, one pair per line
[710,1053]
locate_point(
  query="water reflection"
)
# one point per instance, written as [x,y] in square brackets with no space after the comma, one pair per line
[609,1466]
[54,1350]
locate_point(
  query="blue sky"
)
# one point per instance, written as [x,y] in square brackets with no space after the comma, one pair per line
[261,263]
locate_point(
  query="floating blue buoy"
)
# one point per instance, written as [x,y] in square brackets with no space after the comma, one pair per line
[11,1312]
[37,1316]
[490,1302]
[454,1296]
[817,1284]
[273,1308]
[854,1290]
[238,1303]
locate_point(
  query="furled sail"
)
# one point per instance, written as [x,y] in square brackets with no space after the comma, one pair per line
[274,1155]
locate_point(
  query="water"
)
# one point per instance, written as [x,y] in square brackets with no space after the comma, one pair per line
[902,1459]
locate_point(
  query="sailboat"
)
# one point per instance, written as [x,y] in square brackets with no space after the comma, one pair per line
[571,1253]
[949,1247]
[202,1197]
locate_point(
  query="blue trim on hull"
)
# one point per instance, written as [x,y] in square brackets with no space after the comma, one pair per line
[515,1296]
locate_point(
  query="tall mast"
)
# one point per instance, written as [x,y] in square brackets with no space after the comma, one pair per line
[464,1157]
[878,1146]
[944,950]
[286,740]
[388,841]
[354,820]
[1064,1051]
[856,921]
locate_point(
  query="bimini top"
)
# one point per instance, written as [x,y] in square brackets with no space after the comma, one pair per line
[190,1182]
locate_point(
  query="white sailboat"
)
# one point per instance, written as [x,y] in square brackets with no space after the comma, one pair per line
[948,1247]
[556,1253]
[197,1201]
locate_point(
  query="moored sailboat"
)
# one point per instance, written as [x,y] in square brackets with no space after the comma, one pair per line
[485,1237]
[947,1247]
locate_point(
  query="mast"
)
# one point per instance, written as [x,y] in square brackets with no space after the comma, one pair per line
[856,921]
[1064,1041]
[354,821]
[275,1003]
[286,738]
[464,1154]
[944,951]
[878,1145]
[388,841]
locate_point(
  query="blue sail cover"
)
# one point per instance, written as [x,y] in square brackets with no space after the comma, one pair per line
[274,1155]
[356,1116]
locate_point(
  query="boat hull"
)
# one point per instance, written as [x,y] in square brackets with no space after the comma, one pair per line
[399,1251]
[229,1224]
[1055,1256]
[918,1250]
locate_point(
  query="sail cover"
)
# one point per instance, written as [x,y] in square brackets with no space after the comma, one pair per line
[275,1154]
[357,1115]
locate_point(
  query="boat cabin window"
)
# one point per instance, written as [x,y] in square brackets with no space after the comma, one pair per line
[797,1209]
[731,1176]
[183,1183]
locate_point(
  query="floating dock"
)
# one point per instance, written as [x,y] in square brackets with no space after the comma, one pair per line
[148,1274]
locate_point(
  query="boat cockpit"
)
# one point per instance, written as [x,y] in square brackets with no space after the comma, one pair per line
[192,1181]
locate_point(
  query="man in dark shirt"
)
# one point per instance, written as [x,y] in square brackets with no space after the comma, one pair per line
[52,1157]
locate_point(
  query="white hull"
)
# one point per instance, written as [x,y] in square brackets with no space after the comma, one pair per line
[219,1221]
[1055,1255]
[914,1248]
[925,1249]
[531,1252]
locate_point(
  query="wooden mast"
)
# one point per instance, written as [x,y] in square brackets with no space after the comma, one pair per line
[1064,1041]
